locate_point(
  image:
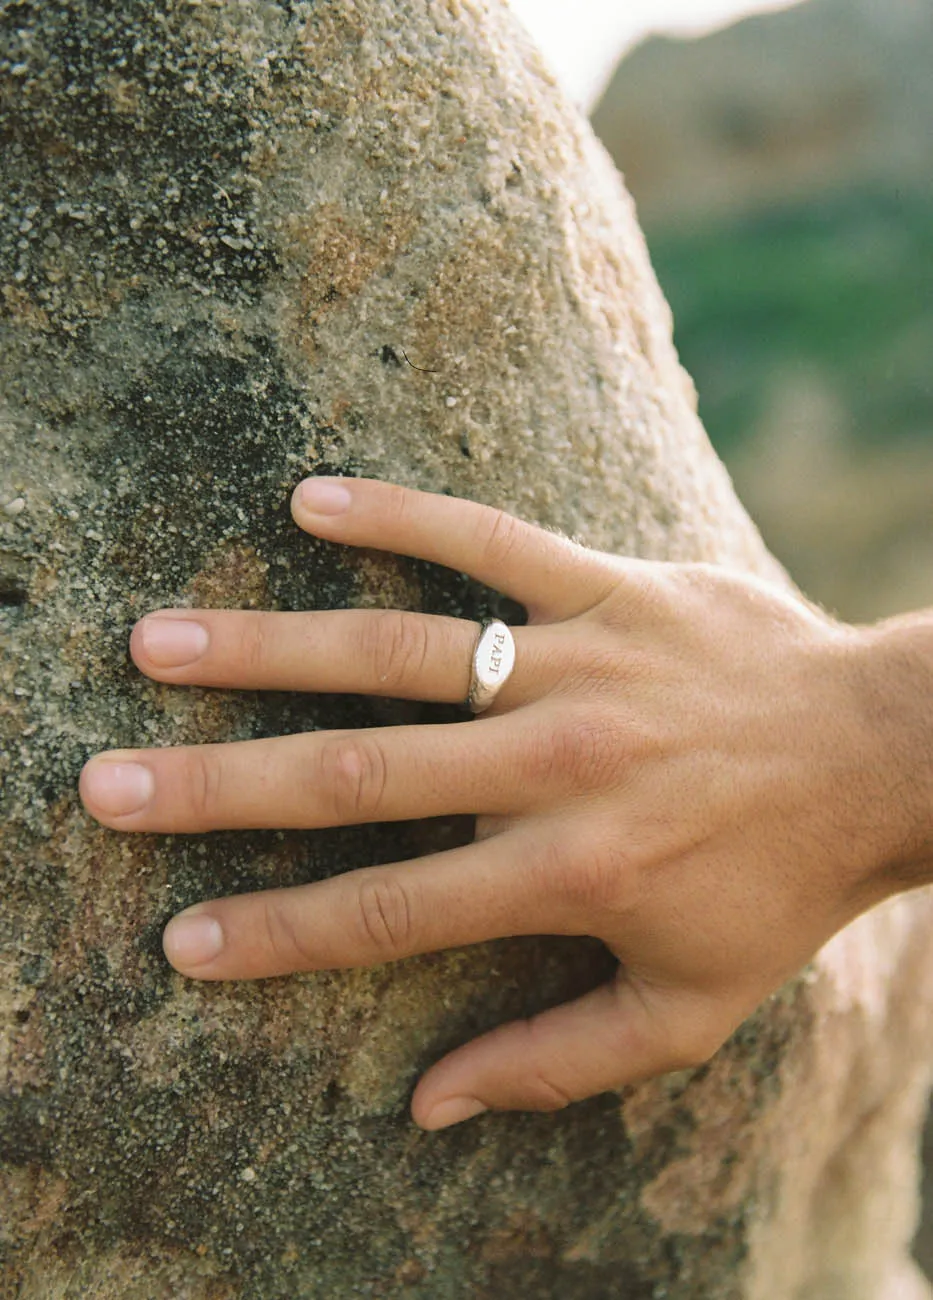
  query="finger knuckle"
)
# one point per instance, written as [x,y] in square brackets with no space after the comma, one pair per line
[282,937]
[255,644]
[595,881]
[548,1095]
[592,668]
[553,866]
[544,1090]
[353,778]
[398,648]
[204,784]
[587,751]
[397,503]
[562,870]
[503,536]
[641,594]
[385,916]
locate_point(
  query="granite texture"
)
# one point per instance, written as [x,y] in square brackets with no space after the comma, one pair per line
[241,241]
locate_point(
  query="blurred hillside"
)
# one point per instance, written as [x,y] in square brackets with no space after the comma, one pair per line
[784,175]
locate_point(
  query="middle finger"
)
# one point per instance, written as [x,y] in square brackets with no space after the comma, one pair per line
[328,778]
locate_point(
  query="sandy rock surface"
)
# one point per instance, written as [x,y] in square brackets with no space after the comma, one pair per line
[240,242]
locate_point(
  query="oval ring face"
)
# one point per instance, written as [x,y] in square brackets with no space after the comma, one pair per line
[493,661]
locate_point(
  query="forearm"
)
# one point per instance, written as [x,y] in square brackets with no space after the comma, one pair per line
[898,701]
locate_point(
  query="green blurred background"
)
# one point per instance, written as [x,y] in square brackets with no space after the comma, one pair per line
[783,171]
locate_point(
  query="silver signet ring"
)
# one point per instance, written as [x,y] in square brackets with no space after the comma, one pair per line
[493,661]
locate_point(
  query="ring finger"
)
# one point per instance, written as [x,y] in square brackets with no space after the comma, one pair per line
[445,900]
[388,652]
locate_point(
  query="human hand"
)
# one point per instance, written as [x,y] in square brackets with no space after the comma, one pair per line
[681,765]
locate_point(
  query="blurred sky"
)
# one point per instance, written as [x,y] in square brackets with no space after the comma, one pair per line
[584,39]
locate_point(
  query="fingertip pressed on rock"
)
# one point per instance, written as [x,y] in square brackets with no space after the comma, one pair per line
[192,939]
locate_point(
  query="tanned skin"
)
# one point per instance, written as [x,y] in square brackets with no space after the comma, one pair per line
[707,774]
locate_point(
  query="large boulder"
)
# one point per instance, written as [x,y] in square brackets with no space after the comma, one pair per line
[242,240]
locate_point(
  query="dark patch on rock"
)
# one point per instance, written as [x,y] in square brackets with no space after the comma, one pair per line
[205,440]
[24,1140]
[123,96]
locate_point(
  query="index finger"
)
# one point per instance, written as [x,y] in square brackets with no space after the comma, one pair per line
[550,575]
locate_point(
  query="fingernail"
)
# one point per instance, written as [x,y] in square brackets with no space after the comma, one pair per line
[173,642]
[325,496]
[454,1111]
[118,789]
[191,938]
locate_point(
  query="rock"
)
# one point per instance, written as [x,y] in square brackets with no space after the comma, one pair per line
[241,241]
[829,94]
[781,171]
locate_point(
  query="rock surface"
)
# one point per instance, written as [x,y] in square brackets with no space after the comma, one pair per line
[242,240]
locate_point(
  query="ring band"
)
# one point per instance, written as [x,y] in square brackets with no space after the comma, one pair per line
[493,661]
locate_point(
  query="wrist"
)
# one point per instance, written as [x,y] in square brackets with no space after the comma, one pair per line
[896,696]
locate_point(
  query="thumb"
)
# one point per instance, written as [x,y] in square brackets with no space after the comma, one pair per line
[611,1037]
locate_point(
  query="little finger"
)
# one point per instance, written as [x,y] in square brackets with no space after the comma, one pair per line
[601,1042]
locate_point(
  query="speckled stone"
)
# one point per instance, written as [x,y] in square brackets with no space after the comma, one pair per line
[241,241]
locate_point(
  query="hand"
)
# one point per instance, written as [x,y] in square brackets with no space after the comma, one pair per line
[677,766]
